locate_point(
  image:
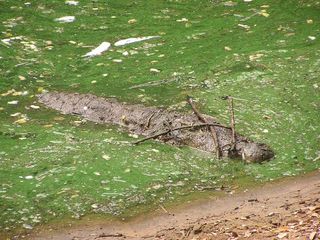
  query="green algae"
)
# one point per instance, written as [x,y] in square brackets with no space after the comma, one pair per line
[264,53]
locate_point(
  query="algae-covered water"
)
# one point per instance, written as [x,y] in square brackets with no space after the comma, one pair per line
[266,54]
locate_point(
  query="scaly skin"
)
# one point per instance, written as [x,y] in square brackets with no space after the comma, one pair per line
[147,121]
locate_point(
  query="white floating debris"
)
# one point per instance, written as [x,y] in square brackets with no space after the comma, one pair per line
[106,157]
[182,20]
[247,27]
[154,70]
[309,21]
[132,21]
[72,3]
[34,107]
[312,38]
[95,206]
[27,226]
[98,50]
[126,53]
[117,60]
[133,40]
[28,177]
[15,114]
[66,19]
[14,102]
[97,173]
[134,135]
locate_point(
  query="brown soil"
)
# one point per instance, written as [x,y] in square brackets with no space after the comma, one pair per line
[289,209]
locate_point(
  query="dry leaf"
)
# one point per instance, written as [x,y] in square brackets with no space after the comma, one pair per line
[132,21]
[14,102]
[34,107]
[22,78]
[21,121]
[282,235]
[312,235]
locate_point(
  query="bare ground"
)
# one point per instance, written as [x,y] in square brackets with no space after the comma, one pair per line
[289,209]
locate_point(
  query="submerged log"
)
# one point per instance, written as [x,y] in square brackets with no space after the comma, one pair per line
[177,128]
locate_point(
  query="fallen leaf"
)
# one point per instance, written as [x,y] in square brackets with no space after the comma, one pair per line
[14,102]
[15,114]
[133,40]
[104,46]
[22,78]
[66,19]
[282,235]
[21,121]
[72,3]
[312,235]
[106,157]
[34,107]
[132,21]
[154,70]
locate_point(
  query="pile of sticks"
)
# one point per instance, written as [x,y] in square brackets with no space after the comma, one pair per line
[205,124]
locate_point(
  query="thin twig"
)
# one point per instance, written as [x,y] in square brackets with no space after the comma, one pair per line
[117,235]
[211,128]
[232,123]
[162,207]
[179,128]
[147,125]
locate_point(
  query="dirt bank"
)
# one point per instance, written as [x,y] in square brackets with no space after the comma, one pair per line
[288,209]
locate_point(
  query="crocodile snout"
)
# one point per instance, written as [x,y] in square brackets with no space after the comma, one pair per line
[256,153]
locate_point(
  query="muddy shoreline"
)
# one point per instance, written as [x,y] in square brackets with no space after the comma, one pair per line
[287,207]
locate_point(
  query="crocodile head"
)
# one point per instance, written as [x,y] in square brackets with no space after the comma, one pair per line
[256,152]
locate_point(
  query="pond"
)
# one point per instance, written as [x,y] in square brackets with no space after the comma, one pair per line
[266,54]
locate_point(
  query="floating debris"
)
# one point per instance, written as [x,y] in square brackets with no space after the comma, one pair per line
[72,3]
[27,226]
[312,38]
[133,40]
[182,20]
[21,121]
[154,70]
[106,157]
[14,102]
[132,21]
[34,107]
[98,50]
[66,19]
[247,27]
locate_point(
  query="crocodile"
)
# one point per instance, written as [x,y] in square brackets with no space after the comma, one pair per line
[147,121]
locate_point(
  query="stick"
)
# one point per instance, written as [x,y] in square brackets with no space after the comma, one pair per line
[147,125]
[211,128]
[232,123]
[117,235]
[162,207]
[179,128]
